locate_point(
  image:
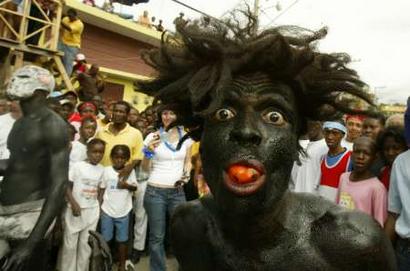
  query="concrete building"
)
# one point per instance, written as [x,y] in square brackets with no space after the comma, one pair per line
[115,44]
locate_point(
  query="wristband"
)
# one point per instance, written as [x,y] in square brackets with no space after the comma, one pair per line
[147,153]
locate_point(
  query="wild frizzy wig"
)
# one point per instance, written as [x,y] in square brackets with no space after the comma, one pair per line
[195,64]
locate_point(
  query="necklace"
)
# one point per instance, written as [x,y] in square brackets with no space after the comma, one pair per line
[167,144]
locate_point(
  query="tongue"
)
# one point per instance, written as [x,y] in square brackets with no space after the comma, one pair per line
[243,174]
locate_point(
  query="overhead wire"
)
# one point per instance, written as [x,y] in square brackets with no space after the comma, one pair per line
[282,13]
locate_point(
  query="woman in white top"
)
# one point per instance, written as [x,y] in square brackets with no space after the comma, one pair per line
[168,170]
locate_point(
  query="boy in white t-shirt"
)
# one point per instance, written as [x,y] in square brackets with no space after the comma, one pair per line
[79,147]
[117,201]
[83,210]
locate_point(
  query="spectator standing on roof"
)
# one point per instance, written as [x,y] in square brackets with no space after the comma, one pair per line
[108,7]
[144,19]
[89,3]
[159,26]
[180,19]
[70,43]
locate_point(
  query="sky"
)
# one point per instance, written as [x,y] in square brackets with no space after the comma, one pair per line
[375,33]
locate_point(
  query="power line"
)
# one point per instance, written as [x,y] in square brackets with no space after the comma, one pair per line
[194,9]
[233,7]
[283,12]
[266,14]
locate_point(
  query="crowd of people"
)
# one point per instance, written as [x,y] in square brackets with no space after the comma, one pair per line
[126,172]
[361,163]
[142,19]
[111,166]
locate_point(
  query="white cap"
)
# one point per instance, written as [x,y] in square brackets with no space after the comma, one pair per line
[80,57]
[28,79]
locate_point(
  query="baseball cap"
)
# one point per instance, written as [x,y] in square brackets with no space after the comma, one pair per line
[80,57]
[65,101]
[70,92]
[55,94]
[335,125]
[28,79]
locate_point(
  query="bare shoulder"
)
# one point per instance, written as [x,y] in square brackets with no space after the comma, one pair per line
[55,129]
[352,239]
[190,216]
[189,238]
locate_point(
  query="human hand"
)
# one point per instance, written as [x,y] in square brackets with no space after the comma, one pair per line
[18,258]
[122,184]
[76,209]
[124,173]
[179,184]
[154,143]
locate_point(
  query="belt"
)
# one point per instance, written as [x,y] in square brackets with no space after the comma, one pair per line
[161,186]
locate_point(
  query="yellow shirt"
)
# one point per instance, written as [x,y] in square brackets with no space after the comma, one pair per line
[195,148]
[72,38]
[101,124]
[128,136]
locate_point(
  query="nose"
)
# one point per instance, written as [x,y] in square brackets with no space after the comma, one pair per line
[360,155]
[246,134]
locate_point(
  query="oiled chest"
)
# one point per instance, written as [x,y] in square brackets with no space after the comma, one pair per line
[26,137]
[286,256]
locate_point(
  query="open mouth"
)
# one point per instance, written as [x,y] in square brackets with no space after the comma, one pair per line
[244,177]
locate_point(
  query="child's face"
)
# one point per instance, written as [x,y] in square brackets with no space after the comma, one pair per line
[354,128]
[119,159]
[363,154]
[88,111]
[371,128]
[95,153]
[391,149]
[88,129]
[333,137]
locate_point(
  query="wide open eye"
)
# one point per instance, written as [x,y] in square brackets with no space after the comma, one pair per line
[224,114]
[274,117]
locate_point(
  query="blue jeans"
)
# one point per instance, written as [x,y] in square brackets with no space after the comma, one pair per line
[157,202]
[69,56]
[403,254]
[120,224]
